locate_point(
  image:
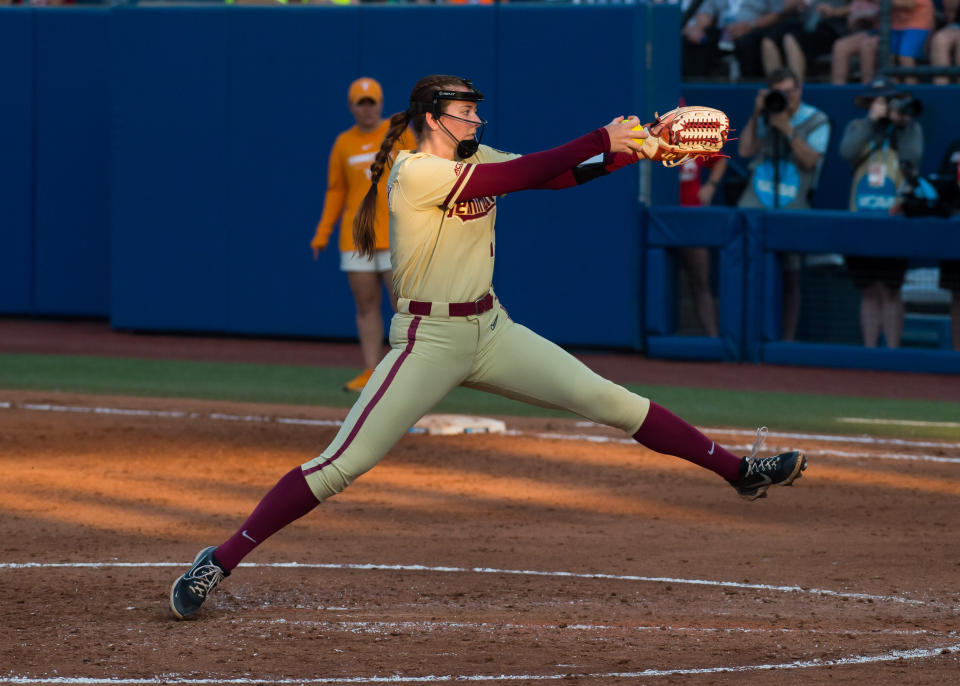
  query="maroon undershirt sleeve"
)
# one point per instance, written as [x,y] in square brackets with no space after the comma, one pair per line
[530,171]
[611,162]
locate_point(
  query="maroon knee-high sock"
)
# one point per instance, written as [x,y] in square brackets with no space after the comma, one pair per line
[666,433]
[287,501]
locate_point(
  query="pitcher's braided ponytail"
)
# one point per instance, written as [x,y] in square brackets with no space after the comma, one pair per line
[364,236]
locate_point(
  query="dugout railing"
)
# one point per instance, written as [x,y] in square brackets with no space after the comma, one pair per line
[749,249]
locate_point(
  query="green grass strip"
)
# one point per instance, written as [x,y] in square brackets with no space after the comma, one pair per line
[300,385]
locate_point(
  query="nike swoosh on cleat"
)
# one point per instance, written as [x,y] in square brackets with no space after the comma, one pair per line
[712,446]
[247,536]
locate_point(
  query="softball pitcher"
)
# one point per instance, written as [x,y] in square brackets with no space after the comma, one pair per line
[450,328]
[348,178]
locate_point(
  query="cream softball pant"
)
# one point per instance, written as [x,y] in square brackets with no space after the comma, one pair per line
[430,356]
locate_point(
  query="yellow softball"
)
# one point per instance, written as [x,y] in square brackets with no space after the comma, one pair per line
[638,127]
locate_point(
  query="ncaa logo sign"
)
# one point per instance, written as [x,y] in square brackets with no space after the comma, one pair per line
[870,198]
[788,184]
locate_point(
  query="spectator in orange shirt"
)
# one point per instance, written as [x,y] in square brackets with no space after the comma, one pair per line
[910,24]
[348,179]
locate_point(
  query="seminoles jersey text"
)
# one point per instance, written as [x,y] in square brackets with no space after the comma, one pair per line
[467,210]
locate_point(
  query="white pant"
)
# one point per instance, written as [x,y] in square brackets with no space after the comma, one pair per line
[430,356]
[350,261]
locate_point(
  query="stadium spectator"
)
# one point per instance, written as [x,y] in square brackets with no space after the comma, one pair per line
[863,17]
[696,260]
[787,139]
[735,28]
[910,24]
[945,44]
[880,147]
[800,41]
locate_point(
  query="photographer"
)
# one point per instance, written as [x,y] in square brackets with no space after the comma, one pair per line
[882,147]
[787,139]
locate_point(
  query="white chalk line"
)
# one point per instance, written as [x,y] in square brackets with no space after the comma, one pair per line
[167,414]
[915,654]
[488,570]
[897,422]
[434,625]
[594,438]
[590,438]
[838,438]
[366,626]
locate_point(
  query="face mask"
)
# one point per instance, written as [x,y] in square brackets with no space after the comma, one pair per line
[466,148]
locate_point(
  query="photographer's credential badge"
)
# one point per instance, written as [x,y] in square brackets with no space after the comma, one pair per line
[876,182]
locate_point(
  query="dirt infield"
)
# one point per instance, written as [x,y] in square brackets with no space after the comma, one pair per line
[558,553]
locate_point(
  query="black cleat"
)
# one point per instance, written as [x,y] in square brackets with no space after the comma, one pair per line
[757,474]
[191,589]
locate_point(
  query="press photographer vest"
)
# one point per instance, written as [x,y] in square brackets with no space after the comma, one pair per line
[796,184]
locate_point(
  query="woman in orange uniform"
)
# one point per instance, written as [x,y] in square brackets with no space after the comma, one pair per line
[348,179]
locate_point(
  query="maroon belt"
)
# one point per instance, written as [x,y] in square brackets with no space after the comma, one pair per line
[478,306]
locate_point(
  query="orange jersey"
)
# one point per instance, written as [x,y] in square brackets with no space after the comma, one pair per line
[920,16]
[348,180]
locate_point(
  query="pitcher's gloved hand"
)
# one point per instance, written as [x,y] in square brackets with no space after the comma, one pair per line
[684,134]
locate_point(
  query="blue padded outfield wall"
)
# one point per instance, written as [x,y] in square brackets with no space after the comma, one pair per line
[71,144]
[676,227]
[16,162]
[54,169]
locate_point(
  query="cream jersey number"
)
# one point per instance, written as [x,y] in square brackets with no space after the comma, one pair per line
[441,247]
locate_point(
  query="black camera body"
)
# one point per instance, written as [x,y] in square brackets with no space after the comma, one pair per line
[907,105]
[774,102]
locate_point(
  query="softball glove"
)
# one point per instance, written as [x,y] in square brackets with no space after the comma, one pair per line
[684,134]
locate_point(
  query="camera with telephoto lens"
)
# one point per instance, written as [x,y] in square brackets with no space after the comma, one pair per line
[907,105]
[774,102]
